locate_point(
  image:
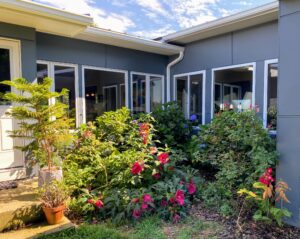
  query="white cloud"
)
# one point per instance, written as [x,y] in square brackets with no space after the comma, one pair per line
[154,6]
[102,18]
[152,34]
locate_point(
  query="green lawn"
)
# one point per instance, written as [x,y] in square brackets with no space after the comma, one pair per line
[191,228]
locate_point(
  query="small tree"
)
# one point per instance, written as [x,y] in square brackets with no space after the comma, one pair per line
[44,126]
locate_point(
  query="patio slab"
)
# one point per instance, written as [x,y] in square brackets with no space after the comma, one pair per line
[20,205]
[37,230]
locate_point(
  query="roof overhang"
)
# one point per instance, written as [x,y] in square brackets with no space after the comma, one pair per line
[127,41]
[43,18]
[242,20]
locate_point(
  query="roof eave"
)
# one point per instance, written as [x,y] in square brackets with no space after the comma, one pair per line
[252,17]
[126,41]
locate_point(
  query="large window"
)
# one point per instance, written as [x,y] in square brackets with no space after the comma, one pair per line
[270,94]
[189,93]
[147,92]
[105,90]
[233,88]
[64,76]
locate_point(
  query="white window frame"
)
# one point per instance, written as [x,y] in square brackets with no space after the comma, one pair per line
[51,74]
[188,75]
[87,67]
[251,64]
[148,76]
[266,85]
[109,87]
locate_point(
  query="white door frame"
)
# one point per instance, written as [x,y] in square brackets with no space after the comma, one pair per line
[14,47]
[251,64]
[87,67]
[188,75]
[110,87]
[51,73]
[266,85]
[148,98]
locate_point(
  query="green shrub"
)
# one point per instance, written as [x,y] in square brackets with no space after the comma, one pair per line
[115,163]
[172,127]
[238,149]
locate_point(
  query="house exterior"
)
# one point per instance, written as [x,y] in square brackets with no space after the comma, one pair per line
[233,61]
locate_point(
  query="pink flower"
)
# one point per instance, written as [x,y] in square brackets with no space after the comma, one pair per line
[137,213]
[267,178]
[172,200]
[163,158]
[137,168]
[144,206]
[147,198]
[176,218]
[179,197]
[99,204]
[164,203]
[270,170]
[153,150]
[156,176]
[191,187]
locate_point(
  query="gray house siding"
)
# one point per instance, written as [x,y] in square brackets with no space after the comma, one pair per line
[255,44]
[67,50]
[288,129]
[28,46]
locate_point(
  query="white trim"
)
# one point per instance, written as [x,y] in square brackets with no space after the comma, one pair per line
[47,11]
[253,64]
[96,68]
[188,75]
[266,85]
[148,97]
[51,74]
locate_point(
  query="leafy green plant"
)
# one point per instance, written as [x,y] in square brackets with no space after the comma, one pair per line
[172,127]
[44,126]
[265,196]
[237,149]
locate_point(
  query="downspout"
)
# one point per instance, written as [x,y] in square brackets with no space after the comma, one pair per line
[178,59]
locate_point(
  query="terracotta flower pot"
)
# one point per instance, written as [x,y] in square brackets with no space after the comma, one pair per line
[54,215]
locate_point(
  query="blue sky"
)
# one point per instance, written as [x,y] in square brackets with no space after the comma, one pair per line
[153,18]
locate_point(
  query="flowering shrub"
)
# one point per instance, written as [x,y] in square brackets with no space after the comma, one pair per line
[235,149]
[119,172]
[266,193]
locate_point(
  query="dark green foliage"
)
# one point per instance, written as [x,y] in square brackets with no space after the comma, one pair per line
[238,148]
[172,127]
[46,137]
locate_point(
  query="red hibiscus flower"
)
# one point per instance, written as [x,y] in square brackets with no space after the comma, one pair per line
[137,168]
[156,176]
[147,198]
[153,150]
[163,158]
[267,178]
[137,213]
[90,201]
[99,204]
[191,187]
[179,197]
[135,200]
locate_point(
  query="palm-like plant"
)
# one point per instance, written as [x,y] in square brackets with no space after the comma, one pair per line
[43,123]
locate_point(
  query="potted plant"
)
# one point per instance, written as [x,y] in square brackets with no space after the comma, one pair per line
[43,124]
[53,197]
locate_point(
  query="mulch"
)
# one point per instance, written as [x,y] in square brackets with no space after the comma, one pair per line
[250,229]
